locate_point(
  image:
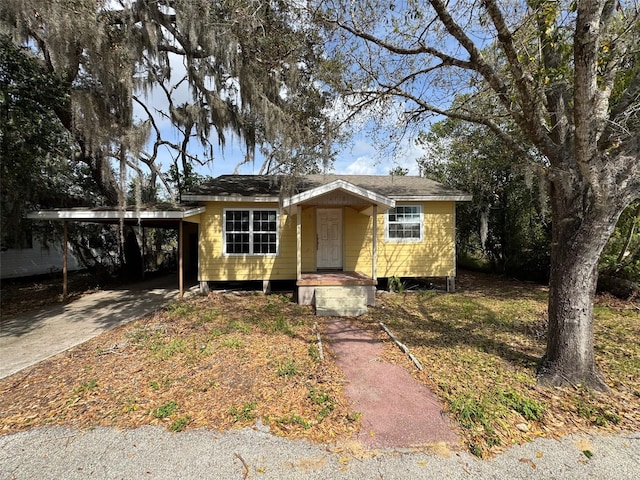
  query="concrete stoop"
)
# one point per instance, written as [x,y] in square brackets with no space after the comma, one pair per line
[342,301]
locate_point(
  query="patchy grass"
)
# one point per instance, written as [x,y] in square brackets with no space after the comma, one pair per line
[220,362]
[480,348]
[225,360]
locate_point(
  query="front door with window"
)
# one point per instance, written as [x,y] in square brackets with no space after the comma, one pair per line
[329,232]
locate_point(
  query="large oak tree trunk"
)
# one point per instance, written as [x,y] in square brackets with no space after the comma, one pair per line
[580,232]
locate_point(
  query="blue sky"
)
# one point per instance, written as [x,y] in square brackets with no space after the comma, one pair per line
[360,156]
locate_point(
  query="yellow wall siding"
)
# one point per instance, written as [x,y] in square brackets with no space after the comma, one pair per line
[215,265]
[309,240]
[357,241]
[434,256]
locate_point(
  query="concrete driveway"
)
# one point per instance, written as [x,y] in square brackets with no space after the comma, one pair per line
[29,338]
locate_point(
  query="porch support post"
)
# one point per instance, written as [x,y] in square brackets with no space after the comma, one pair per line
[180,260]
[374,244]
[65,265]
[298,242]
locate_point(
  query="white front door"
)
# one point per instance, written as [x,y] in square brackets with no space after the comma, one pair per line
[329,232]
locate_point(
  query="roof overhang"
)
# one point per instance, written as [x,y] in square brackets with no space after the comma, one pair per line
[382,202]
[433,198]
[230,198]
[100,215]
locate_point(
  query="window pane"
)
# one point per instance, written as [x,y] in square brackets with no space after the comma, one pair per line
[404,222]
[251,231]
[237,221]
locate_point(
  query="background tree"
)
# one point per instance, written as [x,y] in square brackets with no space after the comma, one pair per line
[507,226]
[399,171]
[242,67]
[566,73]
[34,146]
[620,261]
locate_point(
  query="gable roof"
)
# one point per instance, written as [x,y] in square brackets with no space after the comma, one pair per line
[271,188]
[352,190]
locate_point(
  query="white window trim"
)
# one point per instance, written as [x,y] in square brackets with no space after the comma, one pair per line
[404,240]
[251,210]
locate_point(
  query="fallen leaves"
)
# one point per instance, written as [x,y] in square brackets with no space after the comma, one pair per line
[191,365]
[480,349]
[228,361]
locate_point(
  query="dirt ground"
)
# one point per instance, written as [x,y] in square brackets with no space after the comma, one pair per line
[225,361]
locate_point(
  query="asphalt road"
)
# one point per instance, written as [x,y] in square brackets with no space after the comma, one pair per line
[154,453]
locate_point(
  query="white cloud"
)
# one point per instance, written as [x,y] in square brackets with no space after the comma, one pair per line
[361,166]
[370,160]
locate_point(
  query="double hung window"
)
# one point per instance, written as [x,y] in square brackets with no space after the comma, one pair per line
[250,232]
[404,224]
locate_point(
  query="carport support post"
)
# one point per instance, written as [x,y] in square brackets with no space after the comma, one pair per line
[65,254]
[180,262]
[143,252]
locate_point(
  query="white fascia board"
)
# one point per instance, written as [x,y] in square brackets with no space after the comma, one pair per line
[113,214]
[433,198]
[230,198]
[193,211]
[354,190]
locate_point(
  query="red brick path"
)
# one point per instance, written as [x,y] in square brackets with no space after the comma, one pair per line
[397,411]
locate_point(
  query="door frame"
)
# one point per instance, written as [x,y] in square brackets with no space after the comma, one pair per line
[341,240]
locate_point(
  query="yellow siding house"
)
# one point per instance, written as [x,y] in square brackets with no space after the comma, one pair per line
[325,230]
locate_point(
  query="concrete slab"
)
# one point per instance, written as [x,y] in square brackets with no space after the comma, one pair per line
[341,301]
[29,338]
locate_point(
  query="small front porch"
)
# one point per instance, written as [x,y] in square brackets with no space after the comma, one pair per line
[337,293]
[335,241]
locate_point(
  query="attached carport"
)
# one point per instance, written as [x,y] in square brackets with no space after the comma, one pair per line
[156,216]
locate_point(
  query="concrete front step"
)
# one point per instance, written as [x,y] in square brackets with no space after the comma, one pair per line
[341,301]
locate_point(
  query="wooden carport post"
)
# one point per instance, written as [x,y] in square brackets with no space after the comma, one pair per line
[180,260]
[65,253]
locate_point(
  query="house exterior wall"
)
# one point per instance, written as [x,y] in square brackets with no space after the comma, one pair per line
[37,260]
[215,265]
[309,256]
[434,256]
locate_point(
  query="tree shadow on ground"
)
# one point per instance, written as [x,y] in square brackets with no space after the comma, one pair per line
[467,324]
[102,309]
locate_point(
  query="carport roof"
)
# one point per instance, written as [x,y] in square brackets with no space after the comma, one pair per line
[164,215]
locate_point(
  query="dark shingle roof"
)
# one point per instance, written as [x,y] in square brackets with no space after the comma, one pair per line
[270,185]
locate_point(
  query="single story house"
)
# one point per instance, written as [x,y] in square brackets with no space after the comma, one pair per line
[335,235]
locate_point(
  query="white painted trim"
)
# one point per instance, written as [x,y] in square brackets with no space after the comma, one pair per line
[432,198]
[114,214]
[250,232]
[359,192]
[387,239]
[374,245]
[230,198]
[298,242]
